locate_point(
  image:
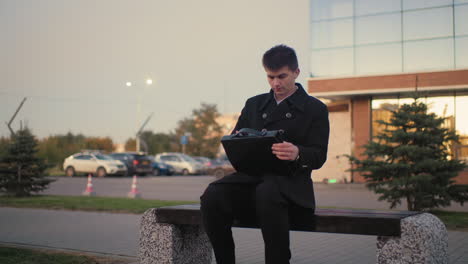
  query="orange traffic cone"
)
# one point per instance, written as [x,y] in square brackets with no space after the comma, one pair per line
[89,187]
[134,191]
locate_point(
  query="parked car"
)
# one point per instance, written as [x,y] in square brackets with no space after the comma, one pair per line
[204,161]
[95,163]
[137,163]
[182,163]
[161,168]
[220,168]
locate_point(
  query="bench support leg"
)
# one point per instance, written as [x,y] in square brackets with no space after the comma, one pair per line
[172,244]
[424,240]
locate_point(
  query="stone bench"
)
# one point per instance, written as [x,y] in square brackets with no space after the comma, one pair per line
[174,234]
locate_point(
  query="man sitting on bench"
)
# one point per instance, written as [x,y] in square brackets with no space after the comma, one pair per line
[272,199]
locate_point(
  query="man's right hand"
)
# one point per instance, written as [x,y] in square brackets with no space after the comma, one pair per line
[285,150]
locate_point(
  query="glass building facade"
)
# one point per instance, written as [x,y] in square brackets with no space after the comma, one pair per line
[366,37]
[371,55]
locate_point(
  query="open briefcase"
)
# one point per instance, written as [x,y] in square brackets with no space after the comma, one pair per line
[249,150]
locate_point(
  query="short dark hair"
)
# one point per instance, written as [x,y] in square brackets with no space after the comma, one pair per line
[280,56]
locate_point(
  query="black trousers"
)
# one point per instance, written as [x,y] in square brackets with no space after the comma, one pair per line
[252,203]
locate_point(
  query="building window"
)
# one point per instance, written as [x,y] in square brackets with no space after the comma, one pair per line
[367,7]
[378,29]
[453,108]
[461,57]
[416,4]
[428,23]
[431,34]
[329,34]
[381,110]
[375,59]
[332,62]
[461,20]
[428,55]
[461,124]
[329,9]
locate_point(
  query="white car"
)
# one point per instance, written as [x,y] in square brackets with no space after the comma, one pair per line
[96,163]
[182,163]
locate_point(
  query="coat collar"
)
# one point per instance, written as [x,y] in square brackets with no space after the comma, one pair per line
[297,99]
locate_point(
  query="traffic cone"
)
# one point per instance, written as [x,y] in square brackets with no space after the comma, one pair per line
[89,187]
[134,191]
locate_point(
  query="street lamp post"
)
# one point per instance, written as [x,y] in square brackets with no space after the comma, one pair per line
[138,111]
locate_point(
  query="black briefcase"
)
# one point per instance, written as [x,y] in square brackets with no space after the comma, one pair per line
[249,150]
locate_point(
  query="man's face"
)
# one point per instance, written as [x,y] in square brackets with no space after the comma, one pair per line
[282,81]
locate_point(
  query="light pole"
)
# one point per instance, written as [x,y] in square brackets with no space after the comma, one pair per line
[138,111]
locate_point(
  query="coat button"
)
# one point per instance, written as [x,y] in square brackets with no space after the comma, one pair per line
[264,115]
[288,115]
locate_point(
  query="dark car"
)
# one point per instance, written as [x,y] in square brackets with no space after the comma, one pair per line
[220,168]
[161,168]
[137,163]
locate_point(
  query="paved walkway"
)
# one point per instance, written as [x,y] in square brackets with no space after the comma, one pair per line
[117,235]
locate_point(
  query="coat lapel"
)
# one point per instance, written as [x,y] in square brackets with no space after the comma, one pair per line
[286,110]
[280,112]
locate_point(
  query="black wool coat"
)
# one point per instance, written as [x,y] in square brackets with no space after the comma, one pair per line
[304,119]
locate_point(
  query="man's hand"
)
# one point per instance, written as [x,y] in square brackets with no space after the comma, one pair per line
[285,151]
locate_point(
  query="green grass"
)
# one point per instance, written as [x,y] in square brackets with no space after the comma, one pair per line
[55,171]
[27,256]
[453,220]
[84,203]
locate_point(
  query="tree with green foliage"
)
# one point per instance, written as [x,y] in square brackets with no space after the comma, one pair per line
[104,144]
[159,142]
[21,171]
[410,159]
[4,142]
[130,144]
[56,148]
[205,132]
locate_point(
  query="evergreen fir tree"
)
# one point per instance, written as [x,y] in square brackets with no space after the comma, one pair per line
[21,171]
[410,160]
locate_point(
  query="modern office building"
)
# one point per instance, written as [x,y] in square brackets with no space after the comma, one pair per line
[370,55]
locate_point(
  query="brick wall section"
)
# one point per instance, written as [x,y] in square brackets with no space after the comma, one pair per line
[361,120]
[408,80]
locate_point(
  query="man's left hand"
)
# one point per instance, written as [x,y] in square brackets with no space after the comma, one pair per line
[285,151]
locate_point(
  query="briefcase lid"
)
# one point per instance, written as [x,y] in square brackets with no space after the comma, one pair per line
[252,154]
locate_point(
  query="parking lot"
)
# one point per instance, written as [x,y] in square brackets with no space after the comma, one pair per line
[189,188]
[151,187]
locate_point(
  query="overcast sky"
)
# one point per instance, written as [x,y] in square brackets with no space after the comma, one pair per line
[72,58]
